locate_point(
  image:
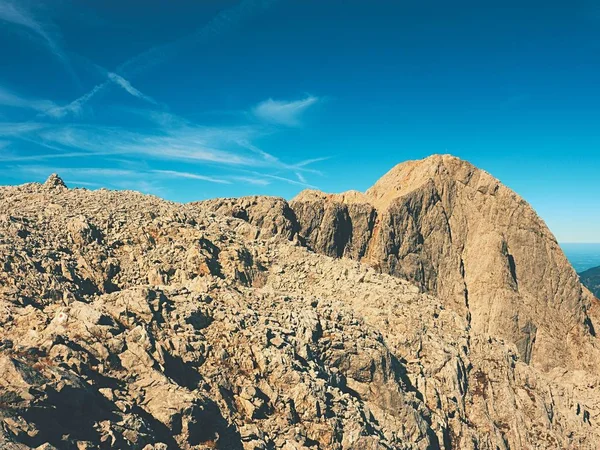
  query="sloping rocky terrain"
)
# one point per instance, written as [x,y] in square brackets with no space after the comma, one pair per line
[127,321]
[591,279]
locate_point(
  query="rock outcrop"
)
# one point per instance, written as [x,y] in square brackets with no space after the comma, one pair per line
[457,232]
[272,216]
[132,322]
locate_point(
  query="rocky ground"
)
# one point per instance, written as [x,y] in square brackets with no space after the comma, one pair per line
[131,322]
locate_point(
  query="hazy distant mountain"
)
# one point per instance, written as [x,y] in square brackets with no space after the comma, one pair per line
[582,256]
[591,279]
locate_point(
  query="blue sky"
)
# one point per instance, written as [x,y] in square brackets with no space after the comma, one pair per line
[191,100]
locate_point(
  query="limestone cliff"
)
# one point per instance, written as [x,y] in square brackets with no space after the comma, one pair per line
[456,231]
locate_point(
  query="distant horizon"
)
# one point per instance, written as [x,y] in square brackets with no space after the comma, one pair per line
[246,97]
[582,255]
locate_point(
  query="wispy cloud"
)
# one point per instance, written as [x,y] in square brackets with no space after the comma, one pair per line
[12,13]
[308,162]
[8,129]
[148,181]
[174,139]
[41,157]
[281,178]
[301,178]
[76,106]
[119,80]
[163,119]
[221,23]
[81,171]
[8,98]
[229,151]
[142,180]
[181,144]
[192,176]
[282,112]
[257,181]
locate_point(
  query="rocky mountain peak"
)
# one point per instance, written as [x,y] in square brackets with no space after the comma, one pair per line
[456,231]
[55,181]
[409,176]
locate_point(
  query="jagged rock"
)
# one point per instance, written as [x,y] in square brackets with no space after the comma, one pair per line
[271,215]
[54,181]
[458,232]
[131,322]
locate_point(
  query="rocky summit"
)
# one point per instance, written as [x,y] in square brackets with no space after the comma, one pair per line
[434,311]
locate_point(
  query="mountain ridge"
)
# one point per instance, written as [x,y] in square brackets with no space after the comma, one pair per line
[251,323]
[419,231]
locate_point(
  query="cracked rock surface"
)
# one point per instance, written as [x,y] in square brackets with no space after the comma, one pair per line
[127,321]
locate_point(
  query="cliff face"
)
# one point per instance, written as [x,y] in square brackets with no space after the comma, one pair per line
[131,322]
[456,231]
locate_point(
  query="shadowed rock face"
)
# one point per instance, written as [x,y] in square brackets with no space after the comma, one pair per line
[591,279]
[130,322]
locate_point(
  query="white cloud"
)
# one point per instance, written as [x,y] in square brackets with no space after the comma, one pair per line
[76,106]
[9,12]
[18,128]
[191,144]
[162,118]
[174,140]
[280,178]
[8,98]
[308,162]
[119,80]
[41,157]
[147,181]
[192,176]
[301,178]
[251,180]
[144,61]
[84,172]
[283,112]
